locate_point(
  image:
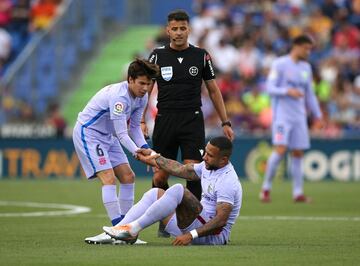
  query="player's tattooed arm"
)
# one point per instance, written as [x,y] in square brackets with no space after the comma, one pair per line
[175,168]
[213,226]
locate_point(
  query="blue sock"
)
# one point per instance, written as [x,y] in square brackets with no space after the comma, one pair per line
[117,220]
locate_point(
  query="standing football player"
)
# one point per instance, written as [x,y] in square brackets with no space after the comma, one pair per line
[290,86]
[110,120]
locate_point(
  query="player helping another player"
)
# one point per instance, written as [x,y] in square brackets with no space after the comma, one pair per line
[107,115]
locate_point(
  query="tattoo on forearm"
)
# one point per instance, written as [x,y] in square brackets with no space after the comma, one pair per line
[177,169]
[223,211]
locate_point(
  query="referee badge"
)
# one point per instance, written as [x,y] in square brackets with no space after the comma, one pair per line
[167,73]
[193,71]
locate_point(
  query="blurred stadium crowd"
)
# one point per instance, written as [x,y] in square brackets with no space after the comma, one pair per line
[244,37]
[19,20]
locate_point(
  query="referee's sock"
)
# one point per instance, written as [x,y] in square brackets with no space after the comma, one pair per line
[195,188]
[163,186]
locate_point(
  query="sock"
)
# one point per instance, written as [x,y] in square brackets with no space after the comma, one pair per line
[139,208]
[111,203]
[272,164]
[164,187]
[160,209]
[297,174]
[126,197]
[195,188]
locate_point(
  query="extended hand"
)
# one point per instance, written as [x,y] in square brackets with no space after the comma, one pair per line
[295,93]
[145,152]
[182,240]
[148,159]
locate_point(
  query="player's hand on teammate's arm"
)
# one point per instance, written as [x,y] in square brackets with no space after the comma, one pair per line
[294,93]
[182,240]
[228,132]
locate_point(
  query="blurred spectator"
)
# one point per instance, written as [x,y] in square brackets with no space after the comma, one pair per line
[224,56]
[5,48]
[348,34]
[228,85]
[42,13]
[5,13]
[56,120]
[329,8]
[248,59]
[19,25]
[355,15]
[322,88]
[320,25]
[26,113]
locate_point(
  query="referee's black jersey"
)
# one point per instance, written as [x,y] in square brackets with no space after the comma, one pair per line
[181,75]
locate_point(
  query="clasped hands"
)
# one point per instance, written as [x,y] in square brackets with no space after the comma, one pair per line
[147,156]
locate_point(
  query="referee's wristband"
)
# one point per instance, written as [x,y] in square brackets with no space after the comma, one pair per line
[194,234]
[226,123]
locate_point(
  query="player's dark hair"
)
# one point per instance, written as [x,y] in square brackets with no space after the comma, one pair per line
[224,144]
[302,39]
[178,15]
[142,67]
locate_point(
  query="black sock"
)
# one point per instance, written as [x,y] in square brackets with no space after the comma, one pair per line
[195,188]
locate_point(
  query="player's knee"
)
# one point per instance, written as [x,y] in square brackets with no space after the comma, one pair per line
[177,191]
[297,153]
[280,150]
[127,178]
[152,194]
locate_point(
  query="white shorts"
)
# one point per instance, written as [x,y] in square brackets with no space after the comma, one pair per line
[294,135]
[217,239]
[97,151]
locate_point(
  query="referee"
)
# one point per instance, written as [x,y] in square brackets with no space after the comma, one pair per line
[179,122]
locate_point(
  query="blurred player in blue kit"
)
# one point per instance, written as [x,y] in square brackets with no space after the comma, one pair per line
[290,86]
[110,120]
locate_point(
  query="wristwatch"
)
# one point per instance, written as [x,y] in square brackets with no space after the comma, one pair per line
[226,123]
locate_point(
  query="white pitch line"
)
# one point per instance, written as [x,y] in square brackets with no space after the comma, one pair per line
[74,209]
[278,218]
[300,218]
[68,209]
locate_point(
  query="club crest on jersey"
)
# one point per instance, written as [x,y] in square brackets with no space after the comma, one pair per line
[193,71]
[118,108]
[167,73]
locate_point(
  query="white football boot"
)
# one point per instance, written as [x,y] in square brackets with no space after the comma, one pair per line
[121,232]
[104,239]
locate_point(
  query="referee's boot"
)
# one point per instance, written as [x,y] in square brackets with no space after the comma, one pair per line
[161,231]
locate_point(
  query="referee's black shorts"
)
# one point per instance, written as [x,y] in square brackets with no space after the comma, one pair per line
[182,129]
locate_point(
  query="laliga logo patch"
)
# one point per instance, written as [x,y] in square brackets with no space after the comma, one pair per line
[193,71]
[118,108]
[167,73]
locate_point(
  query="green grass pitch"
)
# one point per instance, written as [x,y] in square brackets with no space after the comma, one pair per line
[326,232]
